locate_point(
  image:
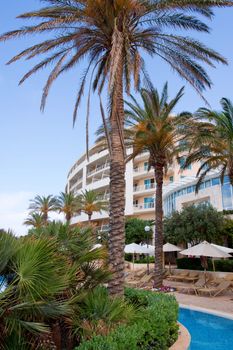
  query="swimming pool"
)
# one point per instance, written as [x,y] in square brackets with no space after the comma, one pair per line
[208,332]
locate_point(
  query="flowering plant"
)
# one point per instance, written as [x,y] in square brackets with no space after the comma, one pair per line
[164,289]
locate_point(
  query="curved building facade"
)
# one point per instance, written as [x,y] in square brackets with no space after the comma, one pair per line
[179,186]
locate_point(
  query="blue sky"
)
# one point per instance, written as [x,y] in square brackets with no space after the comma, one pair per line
[38,149]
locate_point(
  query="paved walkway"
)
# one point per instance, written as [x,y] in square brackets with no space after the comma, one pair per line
[223,303]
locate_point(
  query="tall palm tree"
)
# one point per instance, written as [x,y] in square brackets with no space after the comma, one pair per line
[43,205]
[35,219]
[67,203]
[112,35]
[89,203]
[154,129]
[210,140]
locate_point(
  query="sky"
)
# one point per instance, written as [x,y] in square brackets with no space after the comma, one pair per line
[37,149]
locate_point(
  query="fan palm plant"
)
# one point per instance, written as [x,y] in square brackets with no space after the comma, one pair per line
[67,203]
[46,274]
[112,35]
[89,203]
[154,129]
[43,205]
[35,219]
[210,139]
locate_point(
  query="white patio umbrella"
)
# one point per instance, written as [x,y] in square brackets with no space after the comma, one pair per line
[205,249]
[168,248]
[224,249]
[134,248]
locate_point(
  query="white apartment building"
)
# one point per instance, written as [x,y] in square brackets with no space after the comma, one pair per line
[179,186]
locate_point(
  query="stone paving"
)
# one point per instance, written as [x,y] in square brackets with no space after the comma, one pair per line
[221,303]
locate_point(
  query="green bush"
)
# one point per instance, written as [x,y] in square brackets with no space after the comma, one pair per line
[155,328]
[224,265]
[141,260]
[195,264]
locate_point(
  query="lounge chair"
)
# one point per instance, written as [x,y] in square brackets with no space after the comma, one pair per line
[179,277]
[214,291]
[141,282]
[194,287]
[192,277]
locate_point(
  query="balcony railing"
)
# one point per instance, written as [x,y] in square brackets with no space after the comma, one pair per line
[98,168]
[141,169]
[143,206]
[144,187]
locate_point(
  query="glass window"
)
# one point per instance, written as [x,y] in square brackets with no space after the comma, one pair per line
[227,197]
[148,202]
[190,189]
[207,183]
[171,178]
[215,181]
[146,166]
[182,163]
[226,180]
[202,186]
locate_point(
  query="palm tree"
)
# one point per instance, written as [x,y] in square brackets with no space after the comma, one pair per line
[43,205]
[211,141]
[154,129]
[67,203]
[89,203]
[112,34]
[36,220]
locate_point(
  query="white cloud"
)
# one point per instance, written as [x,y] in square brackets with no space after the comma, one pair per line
[14,210]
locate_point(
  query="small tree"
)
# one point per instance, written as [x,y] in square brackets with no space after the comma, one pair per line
[135,230]
[194,224]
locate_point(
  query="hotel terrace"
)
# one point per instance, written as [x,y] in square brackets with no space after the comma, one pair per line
[178,191]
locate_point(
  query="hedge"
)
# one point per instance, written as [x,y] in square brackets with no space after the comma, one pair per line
[155,328]
[195,264]
[141,260]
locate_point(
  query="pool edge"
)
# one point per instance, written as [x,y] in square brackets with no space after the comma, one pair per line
[208,311]
[184,339]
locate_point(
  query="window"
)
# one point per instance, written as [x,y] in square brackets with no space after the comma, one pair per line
[215,181]
[171,178]
[148,183]
[207,183]
[182,161]
[227,196]
[148,202]
[190,189]
[146,166]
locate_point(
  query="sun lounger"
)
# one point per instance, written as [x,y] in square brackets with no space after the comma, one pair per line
[179,277]
[141,282]
[192,277]
[192,288]
[214,291]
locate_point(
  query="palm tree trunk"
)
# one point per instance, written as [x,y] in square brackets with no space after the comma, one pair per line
[117,190]
[89,218]
[158,265]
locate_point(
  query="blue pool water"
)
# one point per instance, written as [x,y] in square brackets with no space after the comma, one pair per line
[208,332]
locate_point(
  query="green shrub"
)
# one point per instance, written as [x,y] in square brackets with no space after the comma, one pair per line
[141,260]
[224,265]
[195,264]
[155,328]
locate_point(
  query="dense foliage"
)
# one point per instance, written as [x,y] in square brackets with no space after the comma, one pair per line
[49,291]
[195,264]
[194,224]
[135,231]
[155,327]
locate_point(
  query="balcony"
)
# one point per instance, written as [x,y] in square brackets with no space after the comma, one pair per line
[104,197]
[144,207]
[103,228]
[144,188]
[98,168]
